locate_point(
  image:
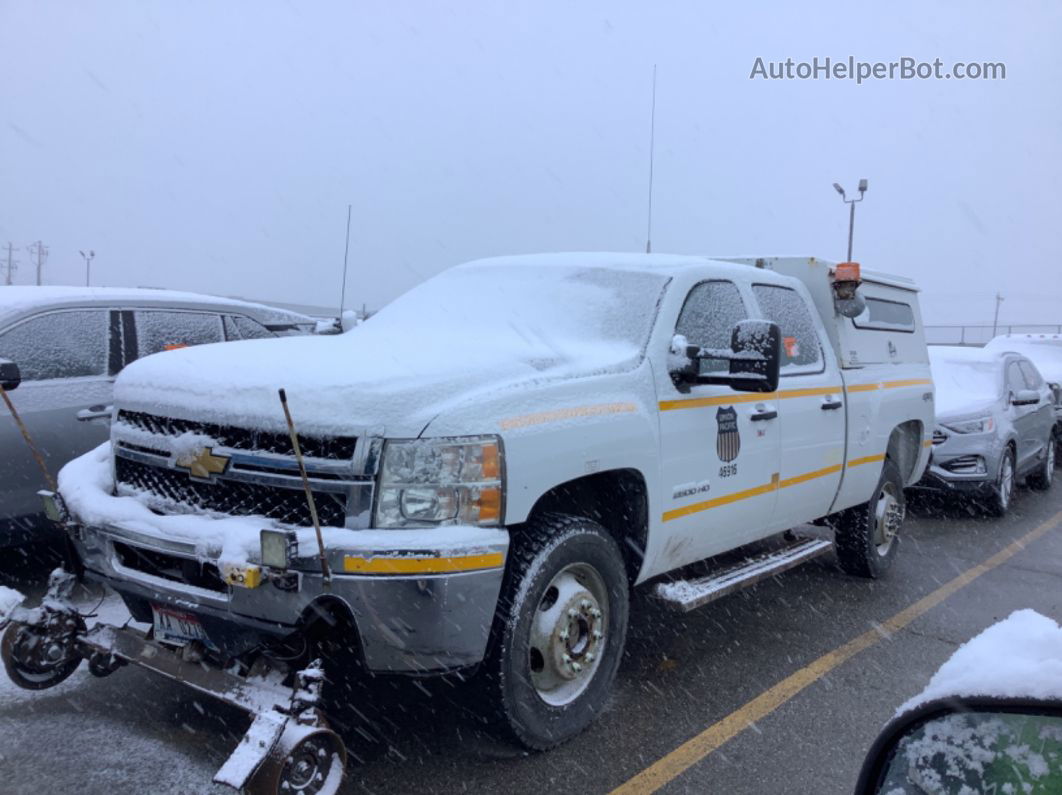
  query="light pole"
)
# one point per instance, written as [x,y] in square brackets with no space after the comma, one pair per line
[88,263]
[995,319]
[851,215]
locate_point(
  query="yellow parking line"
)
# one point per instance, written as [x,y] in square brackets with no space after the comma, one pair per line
[697,748]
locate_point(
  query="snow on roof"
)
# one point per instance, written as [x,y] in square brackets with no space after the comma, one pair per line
[21,298]
[1043,350]
[1018,657]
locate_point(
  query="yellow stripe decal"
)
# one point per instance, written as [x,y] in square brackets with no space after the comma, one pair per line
[754,397]
[869,459]
[697,507]
[927,443]
[818,473]
[775,484]
[356,564]
[746,397]
[541,417]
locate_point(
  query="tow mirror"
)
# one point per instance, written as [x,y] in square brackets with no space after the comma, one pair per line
[967,745]
[1025,397]
[10,377]
[754,358]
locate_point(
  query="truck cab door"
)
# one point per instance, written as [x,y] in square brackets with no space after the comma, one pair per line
[811,409]
[719,447]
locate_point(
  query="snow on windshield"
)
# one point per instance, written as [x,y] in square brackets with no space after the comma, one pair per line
[555,311]
[964,379]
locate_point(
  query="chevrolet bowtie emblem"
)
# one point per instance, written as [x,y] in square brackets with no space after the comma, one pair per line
[203,463]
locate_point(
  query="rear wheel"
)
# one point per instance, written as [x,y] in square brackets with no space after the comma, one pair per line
[1003,490]
[867,535]
[1044,476]
[559,631]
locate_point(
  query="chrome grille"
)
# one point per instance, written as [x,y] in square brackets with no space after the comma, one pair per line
[173,488]
[337,448]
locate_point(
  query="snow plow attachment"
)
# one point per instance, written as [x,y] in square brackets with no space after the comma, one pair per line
[288,748]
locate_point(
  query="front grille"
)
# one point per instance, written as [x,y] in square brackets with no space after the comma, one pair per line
[939,437]
[170,567]
[231,497]
[336,448]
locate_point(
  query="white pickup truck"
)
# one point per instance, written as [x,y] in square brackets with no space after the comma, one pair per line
[495,459]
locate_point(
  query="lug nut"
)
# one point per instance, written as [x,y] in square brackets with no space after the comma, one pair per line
[589,656]
[586,604]
[564,634]
[595,613]
[572,612]
[566,657]
[577,667]
[597,634]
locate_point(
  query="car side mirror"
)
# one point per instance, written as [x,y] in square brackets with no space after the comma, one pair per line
[962,744]
[754,358]
[1025,397]
[10,377]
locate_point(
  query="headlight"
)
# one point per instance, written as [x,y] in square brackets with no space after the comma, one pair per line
[983,425]
[428,482]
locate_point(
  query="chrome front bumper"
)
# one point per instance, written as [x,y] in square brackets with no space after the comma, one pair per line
[417,609]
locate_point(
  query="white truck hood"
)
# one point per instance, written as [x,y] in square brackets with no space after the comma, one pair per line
[470,331]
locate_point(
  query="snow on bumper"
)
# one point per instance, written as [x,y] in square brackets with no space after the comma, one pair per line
[421,599]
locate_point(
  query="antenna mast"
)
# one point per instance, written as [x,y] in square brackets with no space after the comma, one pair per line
[343,291]
[652,143]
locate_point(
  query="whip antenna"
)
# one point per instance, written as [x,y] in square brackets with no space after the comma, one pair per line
[652,142]
[343,291]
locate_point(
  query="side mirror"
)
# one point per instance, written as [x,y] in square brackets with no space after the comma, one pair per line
[10,377]
[967,745]
[1025,397]
[755,357]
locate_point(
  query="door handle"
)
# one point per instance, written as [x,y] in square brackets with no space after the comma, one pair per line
[831,405]
[764,415]
[95,413]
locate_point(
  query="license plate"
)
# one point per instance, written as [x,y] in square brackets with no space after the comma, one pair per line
[173,626]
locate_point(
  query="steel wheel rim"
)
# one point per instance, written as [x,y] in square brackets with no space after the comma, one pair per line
[569,631]
[888,517]
[1006,481]
[308,768]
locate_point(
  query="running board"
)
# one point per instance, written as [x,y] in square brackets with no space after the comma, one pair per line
[686,595]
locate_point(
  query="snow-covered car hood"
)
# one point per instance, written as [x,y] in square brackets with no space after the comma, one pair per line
[472,331]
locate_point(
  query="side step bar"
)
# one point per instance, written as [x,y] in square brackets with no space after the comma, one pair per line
[686,595]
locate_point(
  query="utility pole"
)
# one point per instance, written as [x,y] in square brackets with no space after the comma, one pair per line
[851,215]
[40,251]
[995,320]
[88,263]
[12,265]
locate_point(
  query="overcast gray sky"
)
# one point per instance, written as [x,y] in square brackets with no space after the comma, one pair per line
[214,147]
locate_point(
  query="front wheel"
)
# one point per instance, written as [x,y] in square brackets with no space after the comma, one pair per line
[39,657]
[1003,490]
[1044,476]
[559,631]
[866,535]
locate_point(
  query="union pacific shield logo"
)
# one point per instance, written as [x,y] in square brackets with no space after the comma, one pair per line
[728,442]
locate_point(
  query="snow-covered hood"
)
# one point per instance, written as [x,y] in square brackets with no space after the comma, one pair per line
[475,330]
[359,382]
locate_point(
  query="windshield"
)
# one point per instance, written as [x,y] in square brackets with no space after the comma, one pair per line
[964,382]
[543,314]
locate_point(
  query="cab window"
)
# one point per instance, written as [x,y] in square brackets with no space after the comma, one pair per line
[70,344]
[708,317]
[238,327]
[163,330]
[801,352]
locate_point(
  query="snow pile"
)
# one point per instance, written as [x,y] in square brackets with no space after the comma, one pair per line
[9,600]
[965,380]
[1020,656]
[475,330]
